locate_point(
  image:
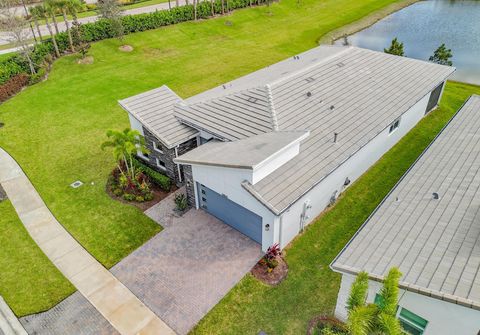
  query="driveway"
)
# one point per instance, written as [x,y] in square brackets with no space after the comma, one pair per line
[185,270]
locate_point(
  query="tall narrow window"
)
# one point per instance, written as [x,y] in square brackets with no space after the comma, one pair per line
[157,147]
[161,164]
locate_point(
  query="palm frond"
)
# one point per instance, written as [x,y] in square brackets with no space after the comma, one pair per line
[361,320]
[358,292]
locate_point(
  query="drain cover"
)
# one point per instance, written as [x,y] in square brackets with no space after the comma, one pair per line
[76,184]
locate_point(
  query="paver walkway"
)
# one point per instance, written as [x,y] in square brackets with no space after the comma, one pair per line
[125,312]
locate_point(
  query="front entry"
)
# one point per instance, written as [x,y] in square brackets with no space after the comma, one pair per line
[231,213]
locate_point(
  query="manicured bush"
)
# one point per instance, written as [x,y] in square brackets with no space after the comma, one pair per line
[13,86]
[181,202]
[156,177]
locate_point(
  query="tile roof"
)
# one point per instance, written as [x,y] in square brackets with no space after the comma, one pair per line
[248,153]
[354,92]
[434,242]
[154,109]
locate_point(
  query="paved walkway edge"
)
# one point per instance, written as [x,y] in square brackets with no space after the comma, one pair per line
[125,312]
[9,323]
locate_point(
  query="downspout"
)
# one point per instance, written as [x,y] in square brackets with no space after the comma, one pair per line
[178,166]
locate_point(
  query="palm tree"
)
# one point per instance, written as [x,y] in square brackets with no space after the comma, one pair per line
[63,6]
[52,10]
[37,12]
[378,318]
[73,6]
[46,12]
[212,5]
[125,144]
[195,10]
[223,7]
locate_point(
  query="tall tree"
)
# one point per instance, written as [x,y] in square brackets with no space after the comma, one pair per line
[396,48]
[73,7]
[63,7]
[49,11]
[18,30]
[442,56]
[195,10]
[52,10]
[37,13]
[111,11]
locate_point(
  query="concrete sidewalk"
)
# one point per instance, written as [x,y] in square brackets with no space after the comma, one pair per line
[125,312]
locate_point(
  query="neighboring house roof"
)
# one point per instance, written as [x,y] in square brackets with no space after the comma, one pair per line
[434,242]
[248,153]
[154,109]
[353,92]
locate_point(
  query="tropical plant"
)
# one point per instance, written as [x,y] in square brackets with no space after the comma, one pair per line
[377,318]
[181,202]
[49,11]
[63,6]
[37,13]
[73,7]
[125,145]
[273,251]
[52,10]
[442,56]
[396,48]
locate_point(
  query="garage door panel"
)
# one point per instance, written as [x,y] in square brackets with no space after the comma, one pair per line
[231,213]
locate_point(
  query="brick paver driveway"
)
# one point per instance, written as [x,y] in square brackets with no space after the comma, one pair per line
[184,271]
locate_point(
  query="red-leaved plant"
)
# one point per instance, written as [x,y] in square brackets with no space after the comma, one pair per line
[273,251]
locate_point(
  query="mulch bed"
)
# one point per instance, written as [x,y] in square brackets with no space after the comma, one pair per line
[273,278]
[158,195]
[325,321]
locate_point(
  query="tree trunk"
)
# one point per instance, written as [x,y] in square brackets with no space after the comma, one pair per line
[30,63]
[169,5]
[177,3]
[54,20]
[223,7]
[38,28]
[187,3]
[69,33]
[54,40]
[213,7]
[195,9]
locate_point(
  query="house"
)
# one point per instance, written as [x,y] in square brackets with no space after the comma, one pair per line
[268,152]
[429,227]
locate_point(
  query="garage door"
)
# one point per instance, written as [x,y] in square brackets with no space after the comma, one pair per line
[231,213]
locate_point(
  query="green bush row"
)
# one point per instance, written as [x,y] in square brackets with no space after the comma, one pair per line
[156,177]
[102,29]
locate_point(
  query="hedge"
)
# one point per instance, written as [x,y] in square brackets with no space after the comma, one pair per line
[102,29]
[156,177]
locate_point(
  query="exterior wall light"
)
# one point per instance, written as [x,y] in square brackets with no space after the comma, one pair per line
[267,227]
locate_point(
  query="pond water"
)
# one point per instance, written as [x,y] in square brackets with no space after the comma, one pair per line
[423,26]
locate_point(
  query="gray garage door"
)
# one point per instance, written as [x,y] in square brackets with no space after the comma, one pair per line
[231,213]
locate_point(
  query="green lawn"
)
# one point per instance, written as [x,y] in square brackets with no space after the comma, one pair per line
[29,282]
[311,287]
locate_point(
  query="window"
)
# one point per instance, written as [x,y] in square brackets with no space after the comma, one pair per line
[157,147]
[434,98]
[411,322]
[161,164]
[395,124]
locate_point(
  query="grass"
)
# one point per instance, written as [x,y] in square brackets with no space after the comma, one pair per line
[55,128]
[24,266]
[311,287]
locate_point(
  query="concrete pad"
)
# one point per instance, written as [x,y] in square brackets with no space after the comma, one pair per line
[59,246]
[75,261]
[154,327]
[131,317]
[7,170]
[38,215]
[91,279]
[110,297]
[22,195]
[43,232]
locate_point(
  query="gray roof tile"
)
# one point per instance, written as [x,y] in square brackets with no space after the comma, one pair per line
[435,243]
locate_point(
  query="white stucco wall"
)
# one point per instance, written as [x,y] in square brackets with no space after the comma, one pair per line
[444,318]
[354,167]
[228,181]
[135,124]
[275,161]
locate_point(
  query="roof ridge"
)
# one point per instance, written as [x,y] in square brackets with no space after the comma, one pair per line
[309,67]
[271,107]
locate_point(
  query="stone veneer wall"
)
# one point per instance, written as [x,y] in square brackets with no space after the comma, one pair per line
[167,156]
[189,187]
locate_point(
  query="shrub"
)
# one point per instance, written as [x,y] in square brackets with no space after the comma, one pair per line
[273,251]
[181,202]
[13,86]
[148,196]
[139,198]
[117,192]
[129,197]
[156,177]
